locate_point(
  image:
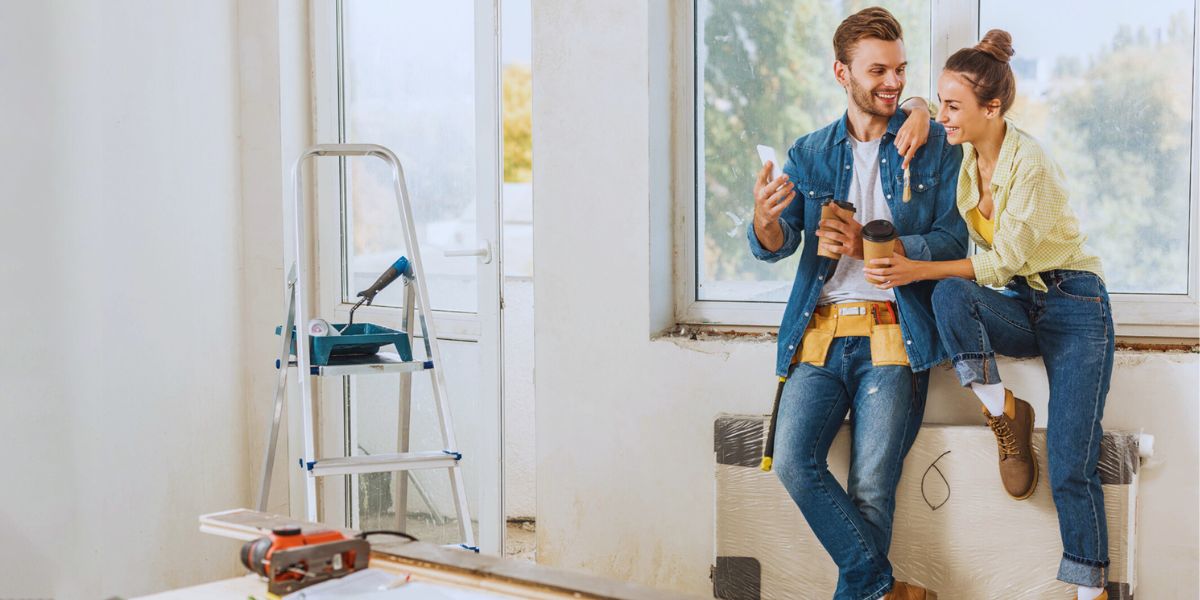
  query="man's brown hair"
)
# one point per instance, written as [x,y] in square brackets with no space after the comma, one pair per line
[875,22]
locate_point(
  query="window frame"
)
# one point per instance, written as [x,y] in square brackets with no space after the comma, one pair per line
[953,25]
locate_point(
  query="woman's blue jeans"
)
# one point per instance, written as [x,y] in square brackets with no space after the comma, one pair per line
[1070,327]
[886,405]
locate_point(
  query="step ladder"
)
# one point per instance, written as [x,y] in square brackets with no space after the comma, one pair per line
[294,329]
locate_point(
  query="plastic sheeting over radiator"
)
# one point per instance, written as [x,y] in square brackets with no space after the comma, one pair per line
[978,543]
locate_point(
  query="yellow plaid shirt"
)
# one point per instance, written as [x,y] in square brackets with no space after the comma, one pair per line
[1035,230]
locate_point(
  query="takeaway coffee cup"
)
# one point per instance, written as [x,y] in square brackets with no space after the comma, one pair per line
[879,241]
[827,213]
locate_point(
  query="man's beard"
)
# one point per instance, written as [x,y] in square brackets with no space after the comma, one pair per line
[864,99]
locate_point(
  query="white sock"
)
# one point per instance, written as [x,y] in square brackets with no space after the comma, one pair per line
[1089,593]
[991,395]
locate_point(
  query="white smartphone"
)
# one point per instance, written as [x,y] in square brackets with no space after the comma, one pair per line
[766,153]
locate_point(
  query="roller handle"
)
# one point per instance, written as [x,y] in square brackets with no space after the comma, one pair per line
[398,268]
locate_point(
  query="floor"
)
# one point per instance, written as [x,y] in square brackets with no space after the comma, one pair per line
[520,536]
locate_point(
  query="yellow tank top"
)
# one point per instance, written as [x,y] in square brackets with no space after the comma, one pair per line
[984,227]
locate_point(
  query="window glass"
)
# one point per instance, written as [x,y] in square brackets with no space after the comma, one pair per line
[398,95]
[764,76]
[1110,97]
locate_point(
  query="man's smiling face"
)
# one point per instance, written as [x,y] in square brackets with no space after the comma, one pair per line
[875,75]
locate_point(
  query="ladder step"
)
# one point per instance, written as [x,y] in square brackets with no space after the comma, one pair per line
[382,463]
[376,364]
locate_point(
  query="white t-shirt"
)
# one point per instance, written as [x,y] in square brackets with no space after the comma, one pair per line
[866,194]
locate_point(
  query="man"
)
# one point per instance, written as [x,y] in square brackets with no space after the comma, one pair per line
[846,346]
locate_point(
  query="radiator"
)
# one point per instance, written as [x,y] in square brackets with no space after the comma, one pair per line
[977,544]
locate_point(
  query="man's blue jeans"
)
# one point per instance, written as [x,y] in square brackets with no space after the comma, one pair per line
[1071,327]
[886,405]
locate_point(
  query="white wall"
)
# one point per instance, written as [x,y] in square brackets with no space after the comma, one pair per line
[121,403]
[624,421]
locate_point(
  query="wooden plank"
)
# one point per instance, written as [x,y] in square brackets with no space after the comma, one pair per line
[451,567]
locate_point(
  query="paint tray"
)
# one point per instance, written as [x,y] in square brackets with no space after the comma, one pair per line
[357,340]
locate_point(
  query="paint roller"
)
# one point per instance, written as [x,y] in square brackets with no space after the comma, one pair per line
[367,296]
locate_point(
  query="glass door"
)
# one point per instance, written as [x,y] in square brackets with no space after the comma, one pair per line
[420,78]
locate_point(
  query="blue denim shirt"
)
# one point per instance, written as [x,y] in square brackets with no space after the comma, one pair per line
[821,164]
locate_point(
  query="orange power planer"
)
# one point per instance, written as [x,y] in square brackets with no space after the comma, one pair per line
[291,559]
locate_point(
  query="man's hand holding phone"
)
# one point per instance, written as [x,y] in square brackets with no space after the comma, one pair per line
[772,194]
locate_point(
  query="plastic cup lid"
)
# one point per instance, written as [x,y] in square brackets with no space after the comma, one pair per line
[880,230]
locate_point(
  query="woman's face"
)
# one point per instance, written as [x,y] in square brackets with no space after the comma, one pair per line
[961,113]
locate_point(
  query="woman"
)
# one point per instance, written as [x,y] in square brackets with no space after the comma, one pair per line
[1014,200]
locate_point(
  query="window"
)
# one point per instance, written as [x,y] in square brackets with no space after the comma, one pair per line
[424,109]
[1112,98]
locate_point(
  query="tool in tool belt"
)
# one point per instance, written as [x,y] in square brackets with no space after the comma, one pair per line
[769,447]
[891,314]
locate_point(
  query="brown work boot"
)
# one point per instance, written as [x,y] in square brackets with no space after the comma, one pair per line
[1014,440]
[908,591]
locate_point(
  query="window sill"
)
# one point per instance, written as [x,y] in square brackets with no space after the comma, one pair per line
[732,333]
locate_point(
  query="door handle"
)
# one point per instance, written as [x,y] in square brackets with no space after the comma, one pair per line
[484,252]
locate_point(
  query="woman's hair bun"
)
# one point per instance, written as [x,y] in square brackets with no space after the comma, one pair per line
[997,43]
